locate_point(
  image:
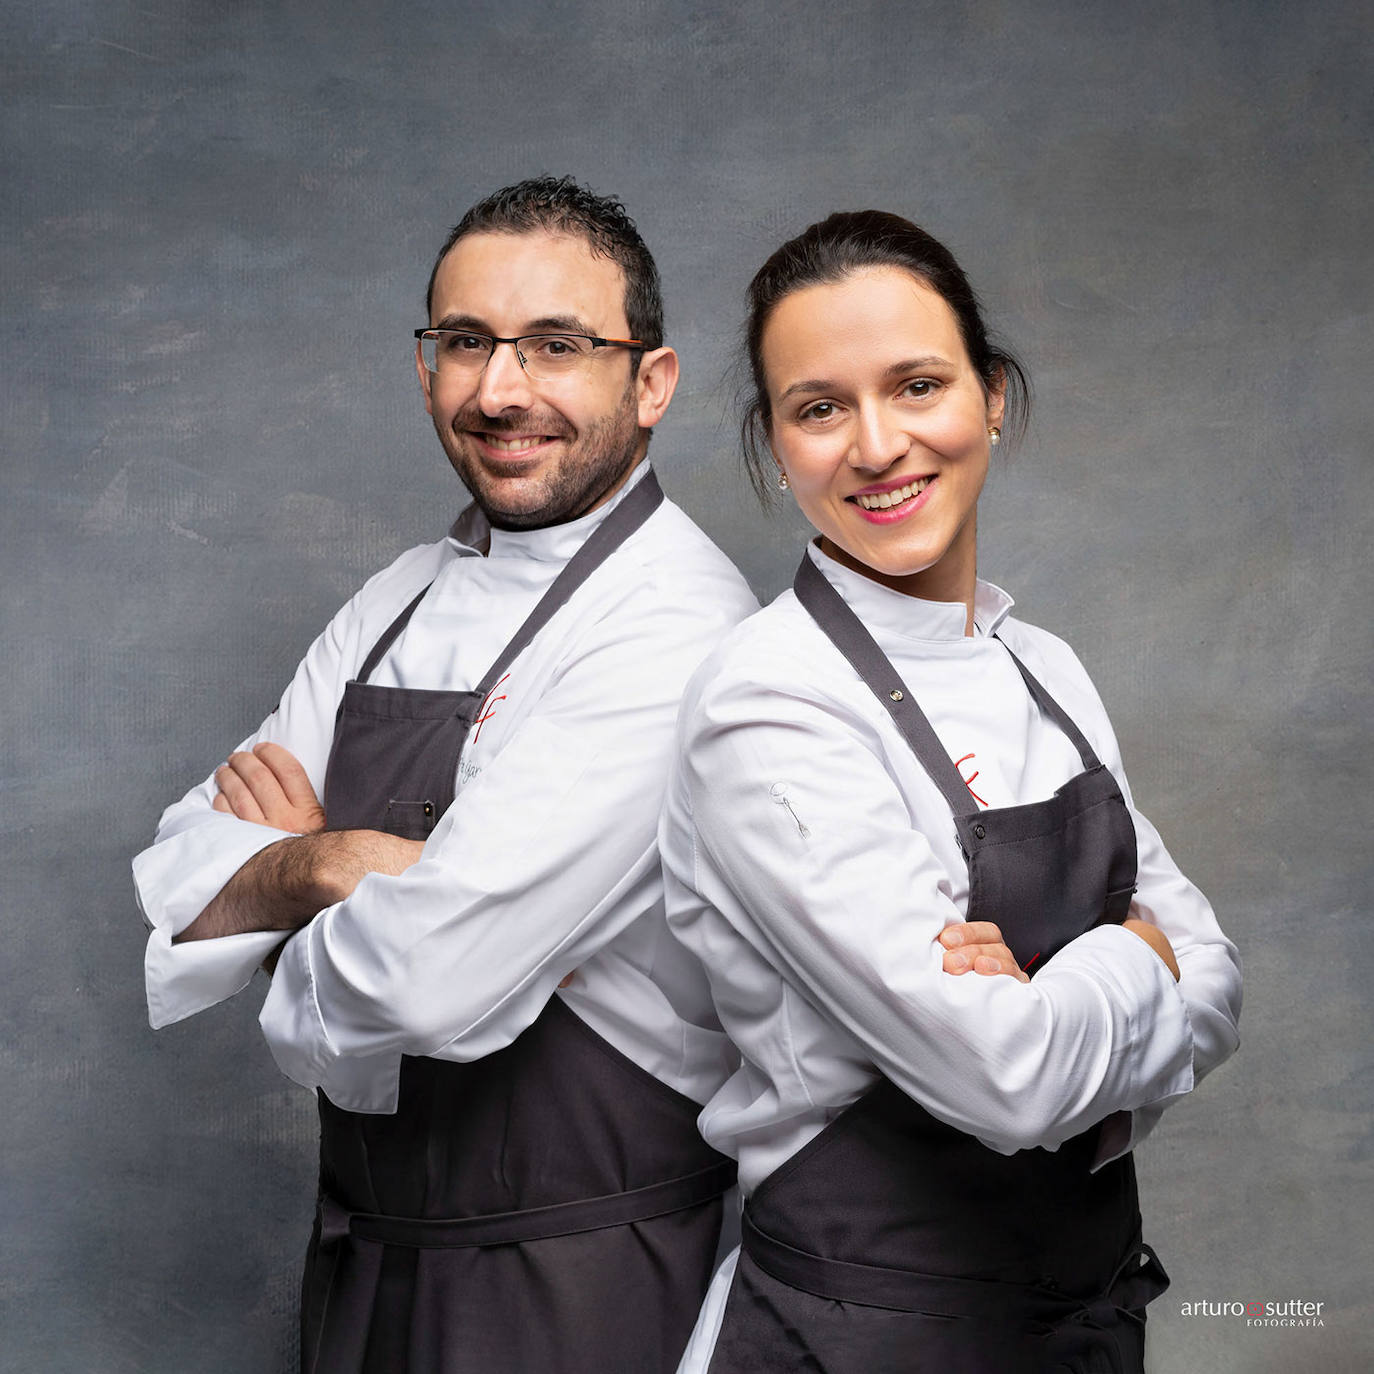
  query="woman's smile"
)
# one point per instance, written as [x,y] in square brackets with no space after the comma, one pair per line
[884,505]
[880,423]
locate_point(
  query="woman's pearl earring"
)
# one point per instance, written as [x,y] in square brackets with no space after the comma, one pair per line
[994,436]
[783,483]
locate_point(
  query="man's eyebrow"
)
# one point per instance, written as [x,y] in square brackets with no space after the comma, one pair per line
[462,322]
[815,386]
[562,324]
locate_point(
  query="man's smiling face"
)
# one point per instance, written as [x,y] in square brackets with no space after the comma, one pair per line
[535,453]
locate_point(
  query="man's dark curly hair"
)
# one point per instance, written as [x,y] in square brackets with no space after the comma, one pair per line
[559,205]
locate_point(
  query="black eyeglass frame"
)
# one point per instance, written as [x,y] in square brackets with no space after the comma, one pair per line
[636,345]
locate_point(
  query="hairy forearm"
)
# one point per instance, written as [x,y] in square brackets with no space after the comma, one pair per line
[283,886]
[279,888]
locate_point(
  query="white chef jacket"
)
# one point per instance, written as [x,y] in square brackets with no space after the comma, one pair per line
[546,861]
[811,863]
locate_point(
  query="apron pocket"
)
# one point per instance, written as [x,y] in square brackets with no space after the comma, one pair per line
[411,820]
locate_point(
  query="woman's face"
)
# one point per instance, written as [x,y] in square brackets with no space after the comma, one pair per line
[881,424]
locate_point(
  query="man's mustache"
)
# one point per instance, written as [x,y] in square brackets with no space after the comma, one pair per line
[473,417]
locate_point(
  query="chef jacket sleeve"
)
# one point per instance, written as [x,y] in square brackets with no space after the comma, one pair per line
[541,859]
[842,894]
[196,849]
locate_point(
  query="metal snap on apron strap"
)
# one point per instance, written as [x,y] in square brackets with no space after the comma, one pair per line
[851,637]
[417,1262]
[899,1204]
[536,1223]
[418,734]
[1005,846]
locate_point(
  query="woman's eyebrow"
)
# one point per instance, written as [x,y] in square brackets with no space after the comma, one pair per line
[814,386]
[807,388]
[917,364]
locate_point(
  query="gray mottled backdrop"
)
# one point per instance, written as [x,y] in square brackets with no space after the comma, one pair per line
[217,222]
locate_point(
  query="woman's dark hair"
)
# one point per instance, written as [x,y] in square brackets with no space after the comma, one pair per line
[829,251]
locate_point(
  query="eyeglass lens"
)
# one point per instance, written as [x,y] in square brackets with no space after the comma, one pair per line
[542,355]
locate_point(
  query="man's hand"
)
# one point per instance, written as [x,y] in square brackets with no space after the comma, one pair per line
[1157,941]
[269,787]
[978,947]
[283,886]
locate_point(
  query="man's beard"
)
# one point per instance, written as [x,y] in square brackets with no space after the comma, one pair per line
[592,463]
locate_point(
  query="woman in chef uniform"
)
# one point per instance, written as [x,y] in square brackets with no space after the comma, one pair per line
[886,781]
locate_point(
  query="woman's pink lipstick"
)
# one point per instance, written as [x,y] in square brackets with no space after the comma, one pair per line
[887,515]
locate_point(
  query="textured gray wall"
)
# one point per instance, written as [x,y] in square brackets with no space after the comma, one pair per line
[217,222]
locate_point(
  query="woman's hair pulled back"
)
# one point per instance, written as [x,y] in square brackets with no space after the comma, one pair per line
[829,251]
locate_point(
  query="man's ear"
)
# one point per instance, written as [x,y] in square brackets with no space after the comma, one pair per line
[655,383]
[425,378]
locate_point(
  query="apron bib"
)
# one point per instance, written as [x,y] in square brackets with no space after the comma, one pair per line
[893,1242]
[549,1207]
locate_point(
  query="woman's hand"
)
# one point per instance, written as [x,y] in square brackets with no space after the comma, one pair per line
[978,947]
[269,787]
[1157,941]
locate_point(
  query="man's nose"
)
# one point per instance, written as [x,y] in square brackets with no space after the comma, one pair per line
[503,385]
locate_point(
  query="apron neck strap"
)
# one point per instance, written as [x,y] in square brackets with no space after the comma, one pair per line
[1056,713]
[389,635]
[603,541]
[850,636]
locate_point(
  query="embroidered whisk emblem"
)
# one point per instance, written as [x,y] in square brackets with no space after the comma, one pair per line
[778,792]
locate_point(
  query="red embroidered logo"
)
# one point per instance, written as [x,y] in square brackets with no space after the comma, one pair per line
[968,781]
[487,709]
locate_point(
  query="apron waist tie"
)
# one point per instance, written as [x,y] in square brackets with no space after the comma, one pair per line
[536,1223]
[870,1285]
[906,1290]
[1086,1329]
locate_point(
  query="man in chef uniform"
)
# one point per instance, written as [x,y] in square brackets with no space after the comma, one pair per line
[442,844]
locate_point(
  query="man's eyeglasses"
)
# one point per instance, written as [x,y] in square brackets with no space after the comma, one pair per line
[545,357]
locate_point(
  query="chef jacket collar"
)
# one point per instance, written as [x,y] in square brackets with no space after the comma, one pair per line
[473,536]
[910,617]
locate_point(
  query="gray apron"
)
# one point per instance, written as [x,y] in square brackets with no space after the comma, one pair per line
[893,1242]
[550,1207]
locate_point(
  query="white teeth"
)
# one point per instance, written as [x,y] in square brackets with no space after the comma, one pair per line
[512,445]
[883,499]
